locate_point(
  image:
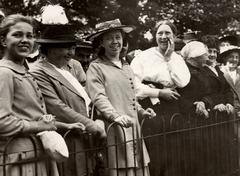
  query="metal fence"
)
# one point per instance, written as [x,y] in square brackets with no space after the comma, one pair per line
[185,145]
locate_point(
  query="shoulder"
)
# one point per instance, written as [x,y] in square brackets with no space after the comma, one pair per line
[176,57]
[6,72]
[75,63]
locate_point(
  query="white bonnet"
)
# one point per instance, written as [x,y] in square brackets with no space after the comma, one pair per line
[193,49]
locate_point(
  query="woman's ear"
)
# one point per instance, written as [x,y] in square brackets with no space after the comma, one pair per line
[3,41]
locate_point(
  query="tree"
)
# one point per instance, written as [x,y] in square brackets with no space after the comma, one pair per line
[210,17]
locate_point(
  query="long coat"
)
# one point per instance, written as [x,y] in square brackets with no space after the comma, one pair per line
[235,87]
[21,105]
[65,102]
[112,91]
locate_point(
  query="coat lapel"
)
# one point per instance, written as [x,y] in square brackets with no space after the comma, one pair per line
[51,71]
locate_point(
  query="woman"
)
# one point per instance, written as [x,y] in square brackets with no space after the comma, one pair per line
[158,72]
[22,109]
[110,84]
[18,90]
[229,57]
[209,145]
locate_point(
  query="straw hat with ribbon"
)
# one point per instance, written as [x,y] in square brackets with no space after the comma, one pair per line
[107,26]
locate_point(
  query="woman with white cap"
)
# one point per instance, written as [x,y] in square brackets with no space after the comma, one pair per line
[206,93]
[110,85]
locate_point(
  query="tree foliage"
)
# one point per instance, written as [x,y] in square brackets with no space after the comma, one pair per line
[210,17]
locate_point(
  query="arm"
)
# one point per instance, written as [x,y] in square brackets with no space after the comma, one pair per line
[57,107]
[142,90]
[96,90]
[179,71]
[9,123]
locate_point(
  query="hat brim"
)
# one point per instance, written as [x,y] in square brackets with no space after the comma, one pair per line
[124,28]
[223,55]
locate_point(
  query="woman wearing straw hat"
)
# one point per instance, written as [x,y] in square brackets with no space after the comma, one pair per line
[110,84]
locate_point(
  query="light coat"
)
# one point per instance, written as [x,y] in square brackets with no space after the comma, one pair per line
[112,91]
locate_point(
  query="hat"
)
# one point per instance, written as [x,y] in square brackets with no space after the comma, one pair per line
[193,49]
[191,36]
[55,28]
[233,40]
[106,26]
[57,34]
[226,50]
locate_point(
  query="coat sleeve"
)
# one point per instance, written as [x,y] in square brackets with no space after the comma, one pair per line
[96,90]
[56,106]
[10,124]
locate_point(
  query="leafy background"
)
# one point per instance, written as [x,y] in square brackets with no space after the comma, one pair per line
[210,17]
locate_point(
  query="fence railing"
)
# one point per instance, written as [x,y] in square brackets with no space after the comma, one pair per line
[187,145]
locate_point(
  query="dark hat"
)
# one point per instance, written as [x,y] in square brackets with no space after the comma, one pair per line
[57,34]
[106,26]
[233,40]
[225,51]
[191,36]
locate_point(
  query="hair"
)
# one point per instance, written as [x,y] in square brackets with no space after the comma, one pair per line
[99,50]
[165,22]
[13,19]
[211,41]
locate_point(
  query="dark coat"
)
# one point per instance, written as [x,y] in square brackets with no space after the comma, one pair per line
[219,90]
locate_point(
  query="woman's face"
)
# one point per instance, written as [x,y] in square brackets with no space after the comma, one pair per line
[212,55]
[232,60]
[19,40]
[163,36]
[112,43]
[63,54]
[200,61]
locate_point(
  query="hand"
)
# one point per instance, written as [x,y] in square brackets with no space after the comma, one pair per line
[170,49]
[124,121]
[168,94]
[229,108]
[77,125]
[149,113]
[220,107]
[46,126]
[201,109]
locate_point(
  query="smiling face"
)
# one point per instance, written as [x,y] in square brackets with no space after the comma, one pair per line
[232,60]
[163,35]
[112,43]
[19,41]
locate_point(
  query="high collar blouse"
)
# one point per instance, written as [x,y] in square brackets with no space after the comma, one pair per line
[21,101]
[150,65]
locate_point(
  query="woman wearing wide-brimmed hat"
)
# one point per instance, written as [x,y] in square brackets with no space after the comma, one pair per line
[110,84]
[229,57]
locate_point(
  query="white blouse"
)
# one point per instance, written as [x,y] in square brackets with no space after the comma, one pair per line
[150,65]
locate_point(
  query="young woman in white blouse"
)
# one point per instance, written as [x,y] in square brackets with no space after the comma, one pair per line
[158,72]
